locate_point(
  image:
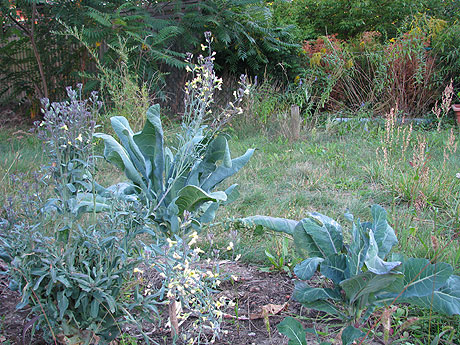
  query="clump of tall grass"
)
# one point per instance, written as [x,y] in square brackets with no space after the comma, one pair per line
[408,167]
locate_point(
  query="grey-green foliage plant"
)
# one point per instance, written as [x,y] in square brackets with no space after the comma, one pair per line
[66,132]
[82,289]
[75,272]
[361,278]
[176,184]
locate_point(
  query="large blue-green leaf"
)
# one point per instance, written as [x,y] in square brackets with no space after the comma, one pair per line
[421,277]
[209,210]
[168,215]
[292,329]
[350,334]
[307,268]
[325,232]
[368,284]
[124,132]
[89,202]
[325,306]
[305,293]
[385,236]
[374,262]
[275,224]
[150,143]
[233,192]
[218,150]
[191,197]
[117,155]
[304,243]
[222,172]
[357,250]
[445,300]
[334,268]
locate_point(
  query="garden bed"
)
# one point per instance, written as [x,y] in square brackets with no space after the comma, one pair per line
[253,291]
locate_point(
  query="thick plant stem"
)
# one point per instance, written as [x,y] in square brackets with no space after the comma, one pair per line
[173,317]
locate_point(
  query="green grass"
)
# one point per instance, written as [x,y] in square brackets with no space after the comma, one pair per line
[19,151]
[331,172]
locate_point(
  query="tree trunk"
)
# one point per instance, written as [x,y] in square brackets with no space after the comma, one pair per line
[37,55]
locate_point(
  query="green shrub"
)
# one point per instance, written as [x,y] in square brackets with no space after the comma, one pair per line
[348,19]
[446,46]
[245,36]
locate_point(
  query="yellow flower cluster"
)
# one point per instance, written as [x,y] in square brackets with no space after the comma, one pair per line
[193,287]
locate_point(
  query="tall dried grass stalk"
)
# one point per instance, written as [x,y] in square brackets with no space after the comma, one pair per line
[446,101]
[395,141]
[450,148]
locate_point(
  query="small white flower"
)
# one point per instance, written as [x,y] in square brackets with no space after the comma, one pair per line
[203,47]
[137,270]
[170,242]
[230,246]
[198,251]
[457,175]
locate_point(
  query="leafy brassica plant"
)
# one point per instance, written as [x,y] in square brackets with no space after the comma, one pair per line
[178,186]
[361,278]
[66,132]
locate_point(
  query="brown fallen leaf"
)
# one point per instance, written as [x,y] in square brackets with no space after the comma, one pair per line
[268,310]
